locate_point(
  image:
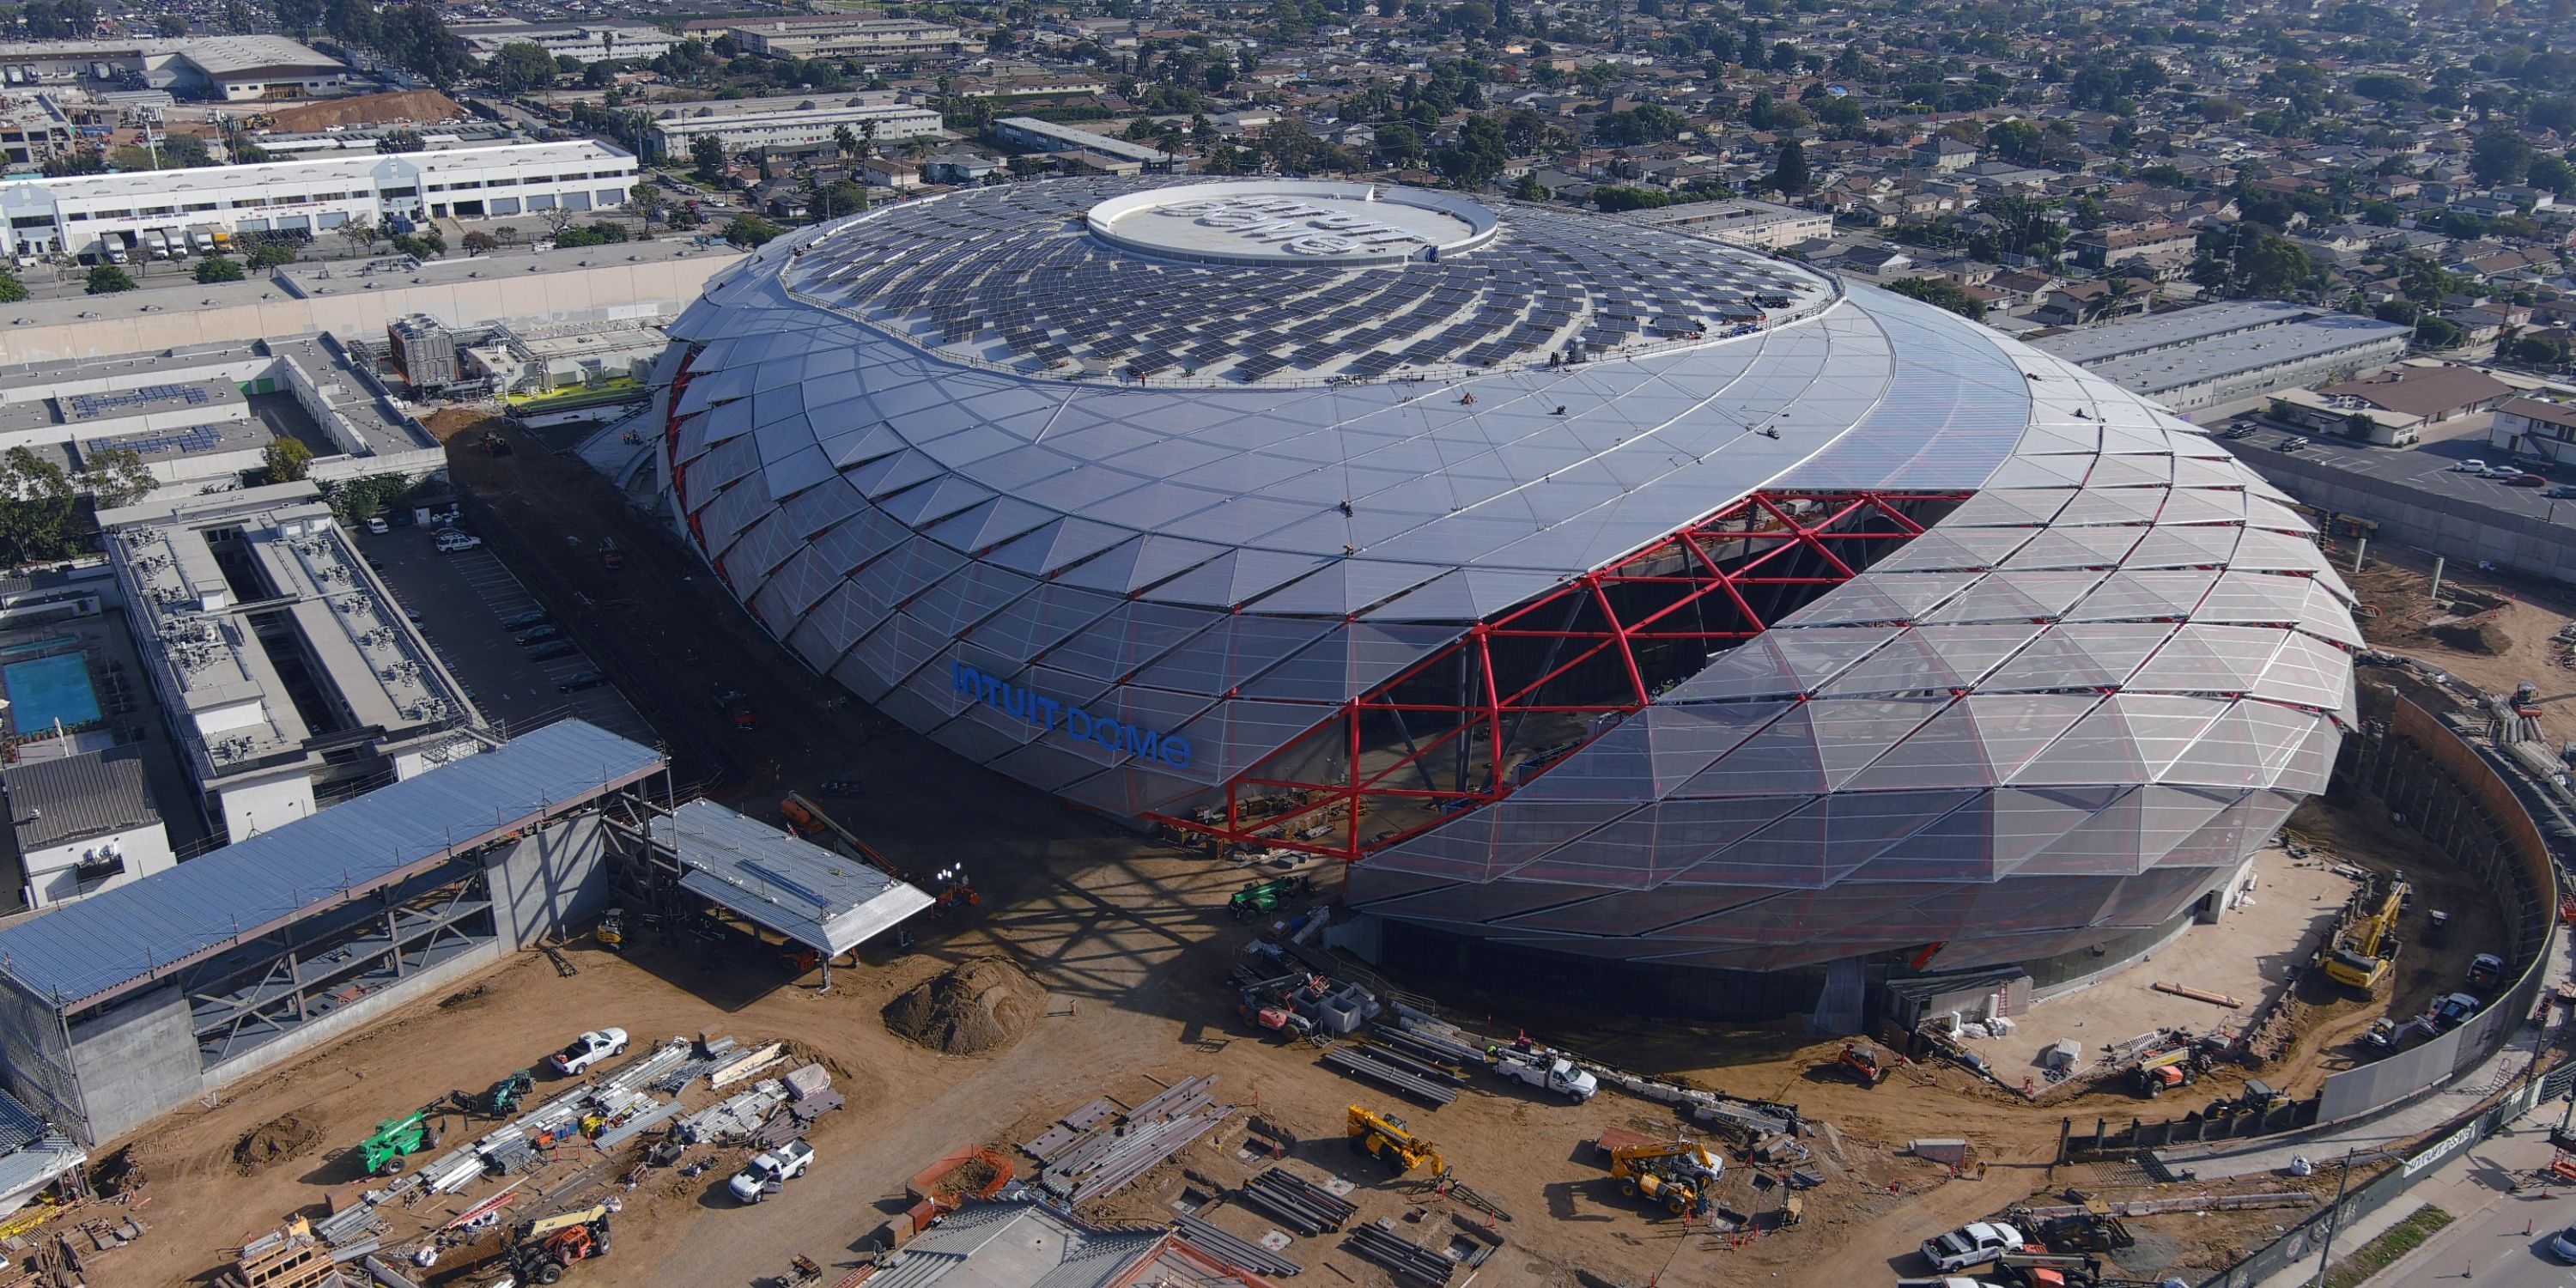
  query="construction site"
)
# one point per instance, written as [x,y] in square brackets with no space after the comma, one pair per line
[1038,1034]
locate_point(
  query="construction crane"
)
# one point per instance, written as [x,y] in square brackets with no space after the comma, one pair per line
[545,1246]
[1385,1137]
[2368,945]
[1680,1175]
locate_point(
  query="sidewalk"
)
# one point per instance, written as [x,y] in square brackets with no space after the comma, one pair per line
[2467,1186]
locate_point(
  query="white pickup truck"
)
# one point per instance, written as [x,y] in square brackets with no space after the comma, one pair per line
[1546,1071]
[770,1172]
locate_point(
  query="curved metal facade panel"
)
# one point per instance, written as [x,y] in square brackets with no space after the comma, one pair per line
[1846,625]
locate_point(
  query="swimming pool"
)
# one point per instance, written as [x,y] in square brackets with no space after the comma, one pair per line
[49,689]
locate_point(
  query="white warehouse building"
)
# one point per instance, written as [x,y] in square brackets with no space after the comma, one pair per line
[75,214]
[746,124]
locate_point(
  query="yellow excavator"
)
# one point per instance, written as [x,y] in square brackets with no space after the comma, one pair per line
[1680,1175]
[1384,1137]
[2367,948]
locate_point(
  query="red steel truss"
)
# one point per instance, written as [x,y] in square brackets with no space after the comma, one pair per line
[1544,679]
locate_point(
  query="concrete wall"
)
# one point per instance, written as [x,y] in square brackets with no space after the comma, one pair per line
[549,881]
[344,1020]
[2408,515]
[611,289]
[136,1061]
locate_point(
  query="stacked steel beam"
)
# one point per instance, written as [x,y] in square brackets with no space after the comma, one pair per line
[1408,1261]
[1378,1065]
[1234,1250]
[1298,1203]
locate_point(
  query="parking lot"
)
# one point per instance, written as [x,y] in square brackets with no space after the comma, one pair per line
[461,601]
[2429,468]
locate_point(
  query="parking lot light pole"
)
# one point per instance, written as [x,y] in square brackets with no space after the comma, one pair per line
[2334,1215]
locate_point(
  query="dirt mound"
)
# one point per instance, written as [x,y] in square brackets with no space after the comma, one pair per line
[981,1005]
[799,1055]
[466,1000]
[415,107]
[2488,637]
[273,1142]
[448,422]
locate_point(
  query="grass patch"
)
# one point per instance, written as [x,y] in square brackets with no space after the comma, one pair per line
[2383,1252]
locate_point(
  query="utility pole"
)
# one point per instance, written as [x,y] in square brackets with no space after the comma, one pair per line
[2325,1250]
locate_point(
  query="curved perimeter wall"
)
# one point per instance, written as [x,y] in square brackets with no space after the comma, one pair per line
[2448,791]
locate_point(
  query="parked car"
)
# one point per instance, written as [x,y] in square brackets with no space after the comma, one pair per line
[2501,472]
[2470,466]
[2526,480]
[452,542]
[2561,492]
[770,1172]
[539,635]
[579,680]
[377,525]
[550,651]
[2564,1244]
[736,706]
[1971,1245]
[2484,970]
[522,621]
[2238,431]
[589,1049]
[2453,1011]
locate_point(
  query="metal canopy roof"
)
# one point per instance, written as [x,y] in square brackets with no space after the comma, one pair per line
[800,890]
[115,940]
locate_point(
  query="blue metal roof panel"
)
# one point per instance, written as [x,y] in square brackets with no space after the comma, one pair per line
[130,933]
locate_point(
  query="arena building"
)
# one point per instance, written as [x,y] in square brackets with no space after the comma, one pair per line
[1607,597]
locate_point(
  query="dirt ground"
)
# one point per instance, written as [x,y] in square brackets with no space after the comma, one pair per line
[423,106]
[1129,939]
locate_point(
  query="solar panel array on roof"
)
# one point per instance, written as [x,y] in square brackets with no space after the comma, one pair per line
[129,933]
[1017,267]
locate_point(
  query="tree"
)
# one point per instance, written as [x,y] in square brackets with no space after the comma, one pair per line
[396,141]
[169,26]
[39,515]
[1790,175]
[217,268]
[2500,156]
[288,460]
[707,159]
[748,231]
[2019,142]
[521,66]
[479,242]
[117,477]
[2357,427]
[1944,294]
[108,279]
[270,254]
[361,233]
[837,198]
[297,16]
[11,289]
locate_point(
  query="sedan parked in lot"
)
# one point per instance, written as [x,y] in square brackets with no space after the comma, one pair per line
[539,635]
[550,651]
[2564,1244]
[2526,480]
[579,680]
[2470,466]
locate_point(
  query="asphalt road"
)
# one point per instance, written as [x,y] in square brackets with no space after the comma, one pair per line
[2493,1252]
[2429,467]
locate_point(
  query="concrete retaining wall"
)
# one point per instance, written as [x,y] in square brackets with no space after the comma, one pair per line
[549,881]
[2461,530]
